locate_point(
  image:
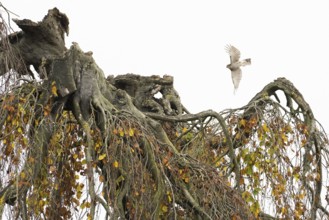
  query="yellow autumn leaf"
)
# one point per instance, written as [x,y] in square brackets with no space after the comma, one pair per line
[283,210]
[54,89]
[47,110]
[80,187]
[169,196]
[238,135]
[101,178]
[265,128]
[284,137]
[23,175]
[97,145]
[242,122]
[255,208]
[41,203]
[301,195]
[184,129]
[121,132]
[116,164]
[49,161]
[131,132]
[101,157]
[83,205]
[21,108]
[164,208]
[25,141]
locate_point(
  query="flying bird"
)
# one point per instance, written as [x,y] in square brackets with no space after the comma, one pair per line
[235,65]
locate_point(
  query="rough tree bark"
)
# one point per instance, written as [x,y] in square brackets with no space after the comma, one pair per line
[127,135]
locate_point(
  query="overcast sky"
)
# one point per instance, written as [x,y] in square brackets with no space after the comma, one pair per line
[186,39]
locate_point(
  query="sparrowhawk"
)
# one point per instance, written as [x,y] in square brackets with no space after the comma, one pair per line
[235,65]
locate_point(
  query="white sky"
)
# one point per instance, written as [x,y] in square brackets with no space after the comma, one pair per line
[186,39]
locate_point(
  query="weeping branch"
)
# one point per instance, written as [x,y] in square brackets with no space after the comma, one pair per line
[77,122]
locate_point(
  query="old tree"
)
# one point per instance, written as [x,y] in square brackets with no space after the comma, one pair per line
[74,142]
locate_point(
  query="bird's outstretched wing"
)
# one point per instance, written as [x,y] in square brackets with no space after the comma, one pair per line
[236,78]
[233,52]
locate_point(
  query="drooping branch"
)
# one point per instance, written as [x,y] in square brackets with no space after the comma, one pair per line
[291,93]
[314,144]
[127,130]
[202,116]
[256,106]
[255,119]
